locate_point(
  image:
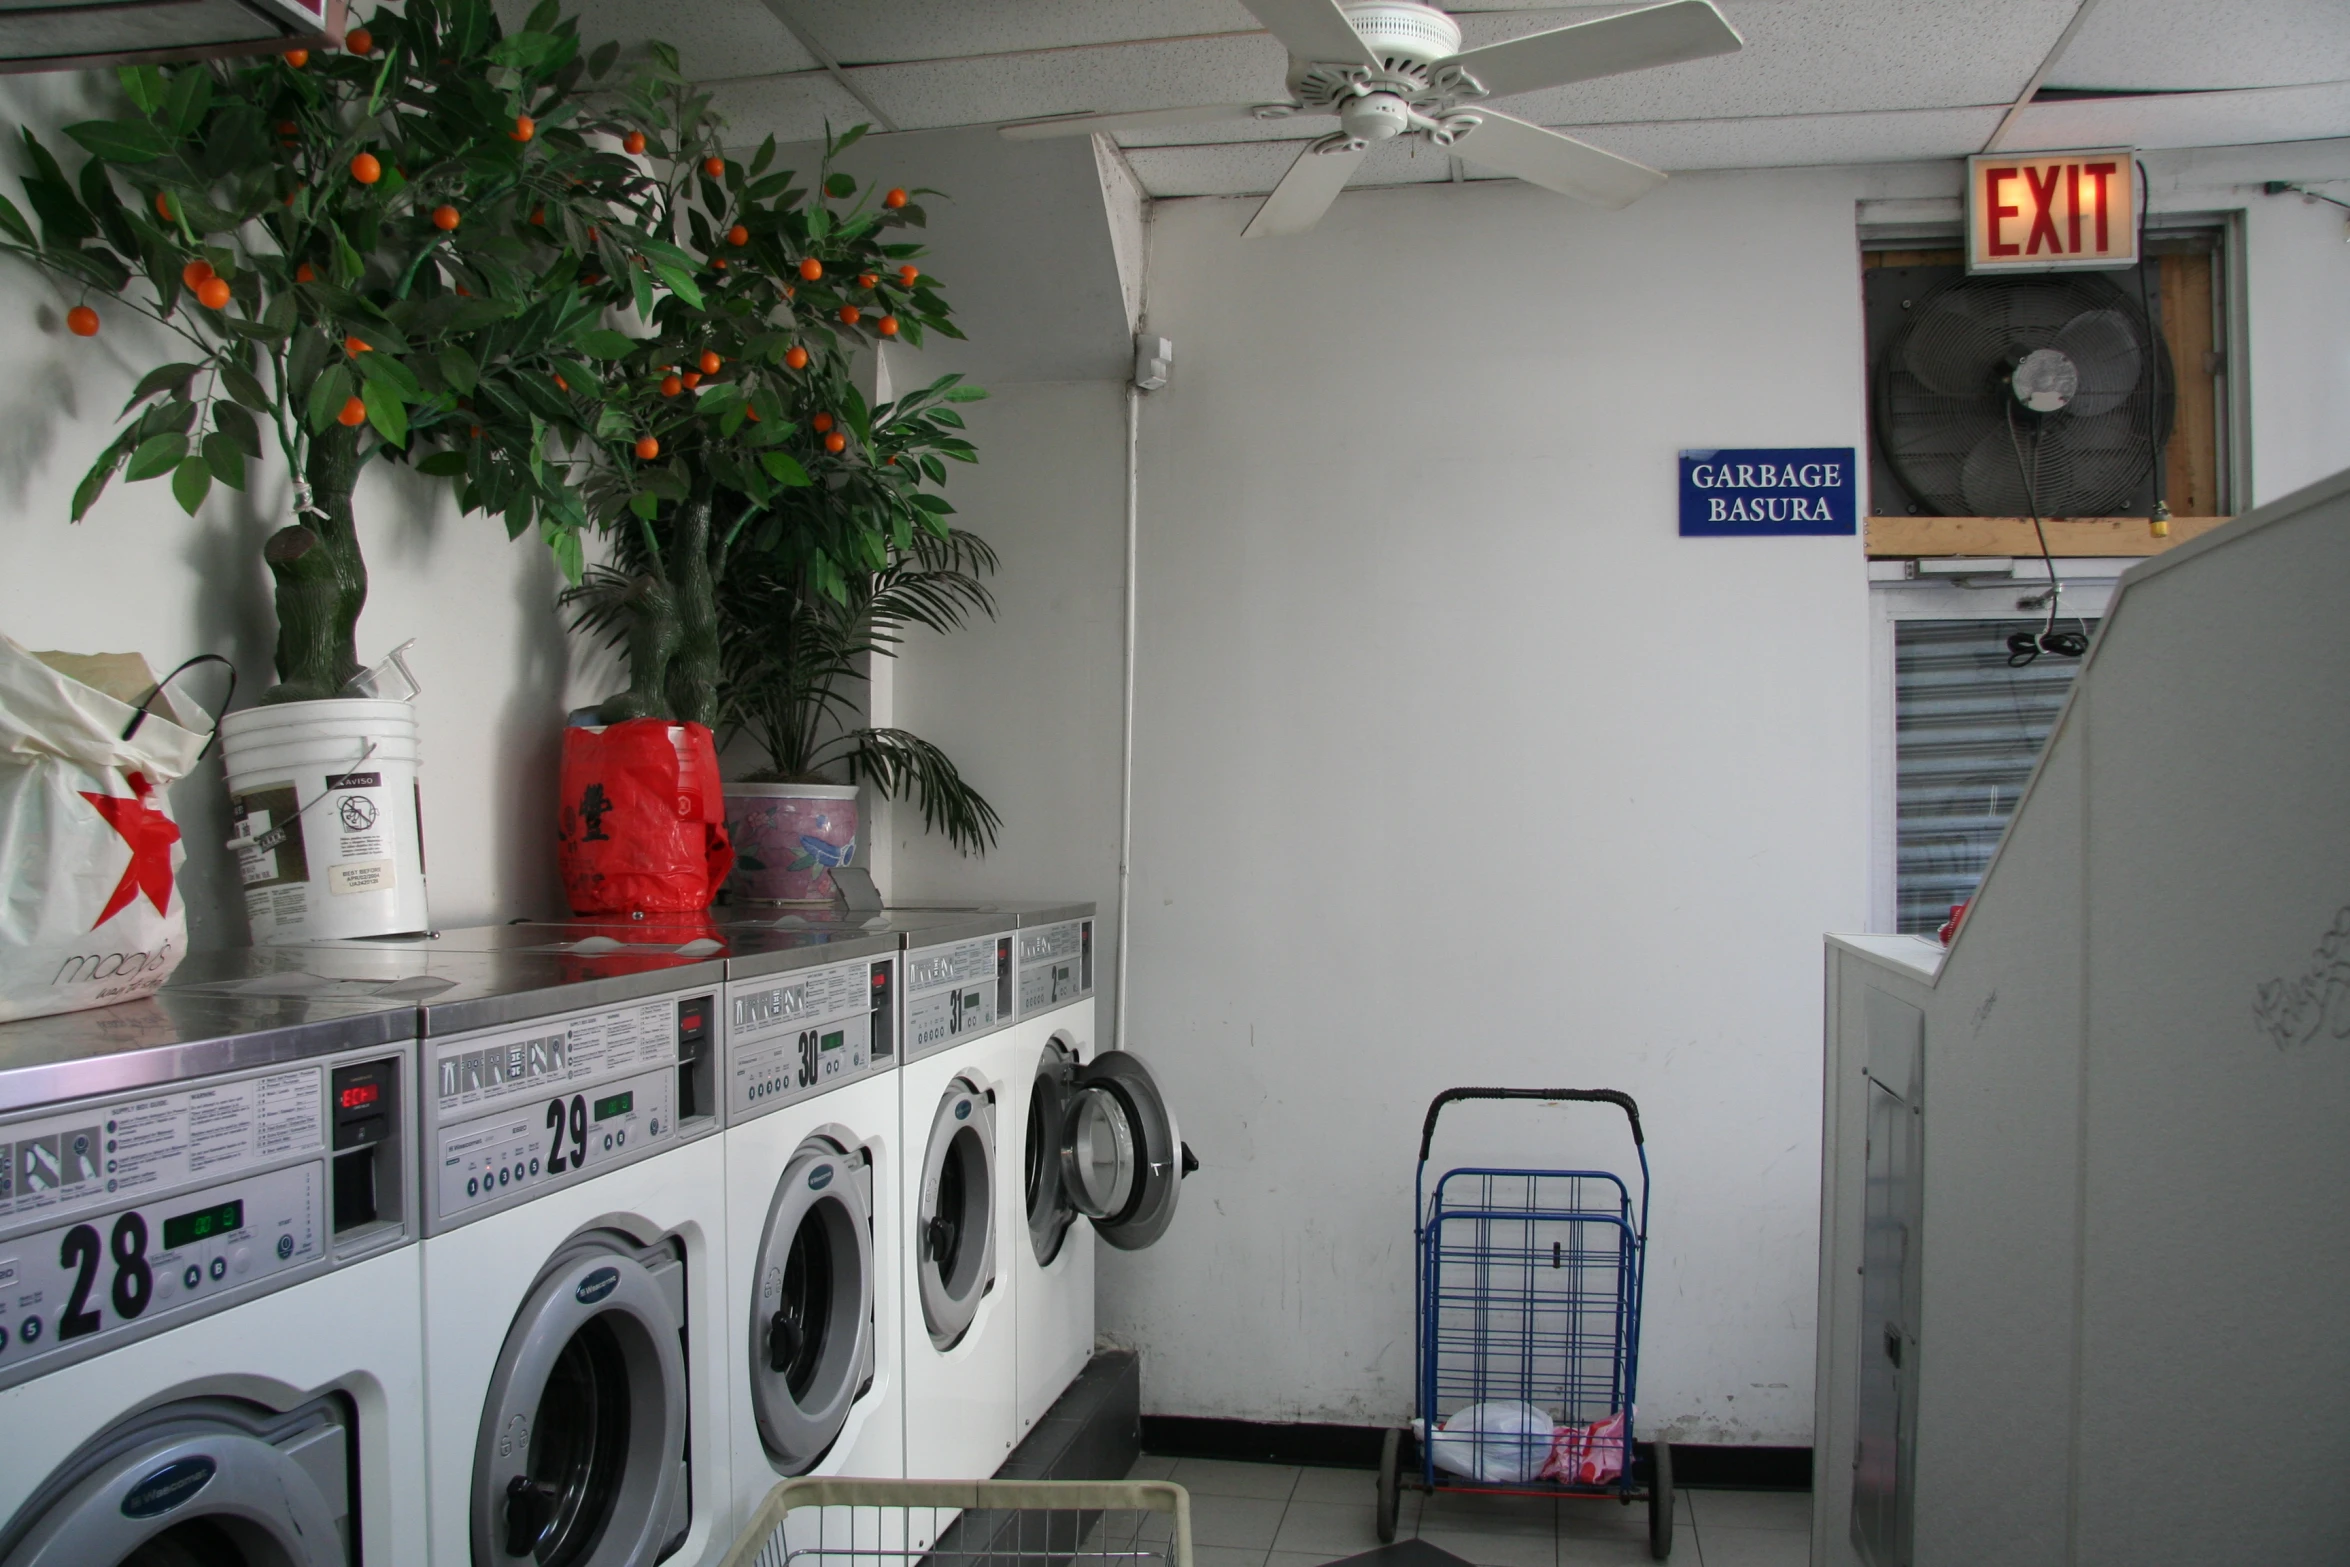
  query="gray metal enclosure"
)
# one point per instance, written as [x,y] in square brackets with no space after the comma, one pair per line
[2115,1273]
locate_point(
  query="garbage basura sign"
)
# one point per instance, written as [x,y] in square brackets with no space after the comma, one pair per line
[1746,491]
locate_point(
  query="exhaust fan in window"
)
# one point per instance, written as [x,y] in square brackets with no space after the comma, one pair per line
[67,34]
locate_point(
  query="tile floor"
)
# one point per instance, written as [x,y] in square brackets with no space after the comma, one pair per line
[1276,1515]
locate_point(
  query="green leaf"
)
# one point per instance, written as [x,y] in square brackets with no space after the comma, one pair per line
[233,422]
[645,504]
[679,283]
[380,368]
[327,396]
[458,369]
[190,483]
[189,97]
[819,223]
[604,343]
[601,60]
[163,378]
[385,411]
[226,459]
[443,465]
[643,282]
[764,156]
[784,469]
[86,493]
[158,454]
[13,221]
[967,394]
[143,85]
[849,138]
[121,141]
[243,387]
[839,186]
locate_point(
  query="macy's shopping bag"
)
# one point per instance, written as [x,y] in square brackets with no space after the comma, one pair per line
[90,910]
[644,819]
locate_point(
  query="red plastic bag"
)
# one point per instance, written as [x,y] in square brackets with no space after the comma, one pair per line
[644,819]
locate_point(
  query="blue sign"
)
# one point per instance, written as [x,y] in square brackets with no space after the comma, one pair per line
[1745,491]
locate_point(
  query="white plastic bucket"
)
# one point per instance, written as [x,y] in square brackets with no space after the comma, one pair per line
[325,807]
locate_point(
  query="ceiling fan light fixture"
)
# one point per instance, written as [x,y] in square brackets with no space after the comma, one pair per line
[1401,31]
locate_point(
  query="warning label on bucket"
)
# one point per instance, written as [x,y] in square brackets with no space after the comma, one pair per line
[371,876]
[268,839]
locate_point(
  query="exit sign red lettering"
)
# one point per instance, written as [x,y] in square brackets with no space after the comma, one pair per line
[2040,211]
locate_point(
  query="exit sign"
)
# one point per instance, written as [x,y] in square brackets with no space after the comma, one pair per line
[2043,211]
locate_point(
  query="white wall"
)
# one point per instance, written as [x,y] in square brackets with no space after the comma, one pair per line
[140,575]
[1454,764]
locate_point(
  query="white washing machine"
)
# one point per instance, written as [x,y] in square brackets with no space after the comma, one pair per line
[209,1284]
[814,1342]
[1096,1142]
[573,1274]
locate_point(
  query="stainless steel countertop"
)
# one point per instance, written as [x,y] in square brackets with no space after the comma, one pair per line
[748,951]
[907,925]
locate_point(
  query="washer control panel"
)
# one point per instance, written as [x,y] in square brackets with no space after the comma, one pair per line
[792,1035]
[121,1217]
[957,990]
[1056,965]
[517,1111]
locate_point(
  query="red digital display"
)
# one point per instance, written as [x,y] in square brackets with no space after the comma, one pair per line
[360,1094]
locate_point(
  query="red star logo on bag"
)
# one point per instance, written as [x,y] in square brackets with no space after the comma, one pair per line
[150,835]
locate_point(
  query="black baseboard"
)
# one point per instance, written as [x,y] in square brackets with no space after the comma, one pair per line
[1702,1464]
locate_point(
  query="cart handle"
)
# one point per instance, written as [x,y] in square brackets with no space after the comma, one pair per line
[1605,1096]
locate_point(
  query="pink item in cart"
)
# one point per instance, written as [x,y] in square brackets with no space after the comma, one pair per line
[1587,1455]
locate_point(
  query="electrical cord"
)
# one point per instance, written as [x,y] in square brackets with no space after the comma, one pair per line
[2025,646]
[2158,514]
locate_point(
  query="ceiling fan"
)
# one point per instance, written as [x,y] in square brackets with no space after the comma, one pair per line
[1394,68]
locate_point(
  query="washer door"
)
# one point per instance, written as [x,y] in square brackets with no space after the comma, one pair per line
[208,1481]
[812,1309]
[954,1228]
[1122,1159]
[1050,1212]
[583,1437]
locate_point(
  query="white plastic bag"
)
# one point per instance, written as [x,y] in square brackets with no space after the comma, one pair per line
[1497,1443]
[90,908]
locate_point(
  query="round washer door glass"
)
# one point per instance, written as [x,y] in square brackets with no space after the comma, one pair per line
[812,1308]
[1050,1212]
[954,1232]
[583,1431]
[1122,1159]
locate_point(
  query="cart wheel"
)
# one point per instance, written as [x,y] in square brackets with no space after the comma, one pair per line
[1390,1485]
[1660,1500]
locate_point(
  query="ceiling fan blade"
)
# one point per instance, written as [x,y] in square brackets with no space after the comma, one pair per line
[1631,41]
[1132,120]
[1304,194]
[1555,162]
[1314,30]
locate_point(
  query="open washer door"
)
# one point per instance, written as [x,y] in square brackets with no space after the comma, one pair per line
[812,1317]
[207,1480]
[1122,1159]
[954,1228]
[582,1453]
[1050,1212]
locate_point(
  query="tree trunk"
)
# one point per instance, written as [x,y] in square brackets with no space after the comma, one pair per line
[693,673]
[321,578]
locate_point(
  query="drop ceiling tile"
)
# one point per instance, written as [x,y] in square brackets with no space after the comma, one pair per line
[2215,119]
[2207,43]
[1230,131]
[789,108]
[1231,169]
[1887,136]
[861,32]
[714,38]
[1240,68]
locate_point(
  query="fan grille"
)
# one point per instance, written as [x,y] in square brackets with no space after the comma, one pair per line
[1953,431]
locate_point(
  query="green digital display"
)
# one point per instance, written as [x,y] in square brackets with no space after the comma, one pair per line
[618,1104]
[834,1040]
[188,1228]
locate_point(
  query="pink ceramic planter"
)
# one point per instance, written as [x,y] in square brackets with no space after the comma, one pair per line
[787,838]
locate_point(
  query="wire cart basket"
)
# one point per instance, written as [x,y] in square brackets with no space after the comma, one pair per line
[1526,1292]
[836,1522]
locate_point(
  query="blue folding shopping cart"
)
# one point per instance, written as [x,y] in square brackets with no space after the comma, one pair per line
[1526,1297]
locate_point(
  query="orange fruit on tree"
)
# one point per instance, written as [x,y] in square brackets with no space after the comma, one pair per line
[671,386]
[895,199]
[305,273]
[796,357]
[212,293]
[719,262]
[810,268]
[907,275]
[195,273]
[738,236]
[476,431]
[848,315]
[647,448]
[868,279]
[821,423]
[538,215]
[82,321]
[714,166]
[524,128]
[887,326]
[633,142]
[559,381]
[367,168]
[355,346]
[711,361]
[692,379]
[836,443]
[359,41]
[297,58]
[163,206]
[287,130]
[750,413]
[444,218]
[353,412]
